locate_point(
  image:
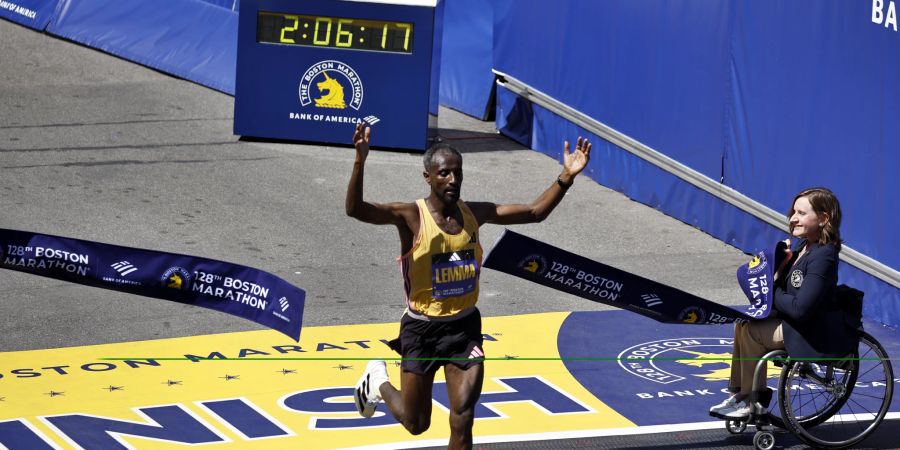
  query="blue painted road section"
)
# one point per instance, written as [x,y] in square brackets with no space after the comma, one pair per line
[649,388]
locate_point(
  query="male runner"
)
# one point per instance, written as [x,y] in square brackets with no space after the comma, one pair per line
[441,264]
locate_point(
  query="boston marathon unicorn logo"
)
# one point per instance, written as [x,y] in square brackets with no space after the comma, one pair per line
[757,264]
[331,84]
[797,278]
[332,93]
[177,278]
[535,264]
[692,314]
[754,263]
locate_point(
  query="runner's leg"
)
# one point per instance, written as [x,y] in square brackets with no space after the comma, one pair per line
[464,389]
[411,405]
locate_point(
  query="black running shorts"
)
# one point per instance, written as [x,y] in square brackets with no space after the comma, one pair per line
[424,342]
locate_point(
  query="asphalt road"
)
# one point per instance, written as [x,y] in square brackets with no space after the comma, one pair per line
[98,148]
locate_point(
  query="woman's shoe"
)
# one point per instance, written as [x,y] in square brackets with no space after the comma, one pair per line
[741,411]
[727,403]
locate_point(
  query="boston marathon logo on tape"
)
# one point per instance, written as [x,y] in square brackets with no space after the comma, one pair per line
[757,279]
[239,290]
[535,264]
[544,264]
[177,278]
[330,85]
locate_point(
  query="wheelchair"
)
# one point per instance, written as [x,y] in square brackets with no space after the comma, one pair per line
[826,404]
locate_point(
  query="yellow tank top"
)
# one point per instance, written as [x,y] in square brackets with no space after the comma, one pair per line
[440,273]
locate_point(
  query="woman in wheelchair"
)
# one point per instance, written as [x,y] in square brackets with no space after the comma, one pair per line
[807,320]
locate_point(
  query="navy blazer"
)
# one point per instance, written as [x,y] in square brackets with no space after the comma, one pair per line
[813,324]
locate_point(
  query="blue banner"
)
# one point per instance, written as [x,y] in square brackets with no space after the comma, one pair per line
[231,288]
[547,265]
[757,279]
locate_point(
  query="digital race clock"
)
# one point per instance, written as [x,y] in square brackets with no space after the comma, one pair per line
[308,71]
[337,32]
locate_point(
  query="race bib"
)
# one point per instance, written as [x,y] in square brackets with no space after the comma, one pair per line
[454,274]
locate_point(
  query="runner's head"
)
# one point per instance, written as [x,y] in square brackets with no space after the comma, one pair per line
[443,172]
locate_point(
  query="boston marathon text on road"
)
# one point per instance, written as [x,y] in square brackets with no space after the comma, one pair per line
[275,351]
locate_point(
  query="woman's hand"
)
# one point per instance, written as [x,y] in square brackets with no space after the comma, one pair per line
[788,254]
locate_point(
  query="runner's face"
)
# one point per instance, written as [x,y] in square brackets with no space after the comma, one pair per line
[445,177]
[805,222]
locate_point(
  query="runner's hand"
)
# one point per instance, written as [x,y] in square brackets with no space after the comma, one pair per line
[361,140]
[575,162]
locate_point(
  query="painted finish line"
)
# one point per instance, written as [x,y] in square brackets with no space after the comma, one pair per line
[248,390]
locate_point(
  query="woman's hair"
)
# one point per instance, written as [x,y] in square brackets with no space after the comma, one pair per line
[822,201]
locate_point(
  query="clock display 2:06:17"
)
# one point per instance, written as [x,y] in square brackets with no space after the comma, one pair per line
[337,32]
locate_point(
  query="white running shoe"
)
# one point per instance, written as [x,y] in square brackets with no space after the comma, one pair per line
[367,395]
[726,404]
[741,410]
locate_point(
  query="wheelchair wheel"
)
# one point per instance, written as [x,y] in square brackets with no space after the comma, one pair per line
[763,440]
[735,426]
[839,404]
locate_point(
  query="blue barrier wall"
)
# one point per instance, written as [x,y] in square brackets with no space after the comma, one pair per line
[193,39]
[466,78]
[765,96]
[814,90]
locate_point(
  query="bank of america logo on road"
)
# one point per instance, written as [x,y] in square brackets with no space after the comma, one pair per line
[124,267]
[371,120]
[284,304]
